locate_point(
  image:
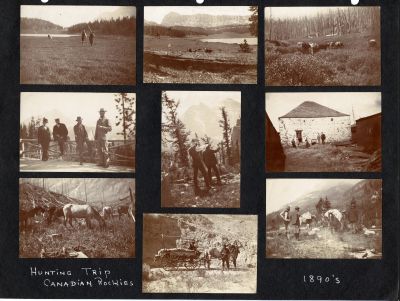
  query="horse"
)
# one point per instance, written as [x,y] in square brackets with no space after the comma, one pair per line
[82,211]
[25,215]
[233,252]
[123,210]
[83,36]
[53,213]
[107,212]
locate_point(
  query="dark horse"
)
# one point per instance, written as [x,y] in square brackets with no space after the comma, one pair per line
[233,252]
[123,210]
[53,213]
[25,215]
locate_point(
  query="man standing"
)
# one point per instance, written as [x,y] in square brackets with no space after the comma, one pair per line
[319,138]
[225,257]
[60,134]
[211,162]
[81,137]
[102,128]
[285,215]
[198,164]
[353,216]
[44,138]
[323,137]
[297,223]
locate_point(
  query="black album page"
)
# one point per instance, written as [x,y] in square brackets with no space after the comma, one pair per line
[199,149]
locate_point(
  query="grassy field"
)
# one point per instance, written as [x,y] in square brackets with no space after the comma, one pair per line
[110,61]
[117,241]
[323,244]
[326,158]
[356,64]
[225,64]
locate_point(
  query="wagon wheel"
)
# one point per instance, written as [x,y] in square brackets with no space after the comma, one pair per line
[191,264]
[167,263]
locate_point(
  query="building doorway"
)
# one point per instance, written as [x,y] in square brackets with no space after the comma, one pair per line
[299,136]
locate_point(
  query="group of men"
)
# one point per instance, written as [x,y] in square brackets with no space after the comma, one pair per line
[285,215]
[60,134]
[202,159]
[347,219]
[321,138]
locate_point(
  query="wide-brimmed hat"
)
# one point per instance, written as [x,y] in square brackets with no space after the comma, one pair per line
[45,119]
[102,110]
[79,118]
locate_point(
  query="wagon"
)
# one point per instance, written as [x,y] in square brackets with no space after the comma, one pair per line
[170,259]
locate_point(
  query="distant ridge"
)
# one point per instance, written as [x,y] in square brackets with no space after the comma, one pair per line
[34,25]
[203,20]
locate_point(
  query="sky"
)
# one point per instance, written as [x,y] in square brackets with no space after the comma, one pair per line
[67,15]
[280,192]
[211,98]
[363,103]
[157,13]
[70,105]
[297,12]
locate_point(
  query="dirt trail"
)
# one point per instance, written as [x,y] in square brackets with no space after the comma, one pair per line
[201,281]
[326,157]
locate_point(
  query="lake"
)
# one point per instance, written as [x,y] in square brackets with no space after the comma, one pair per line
[250,41]
[56,35]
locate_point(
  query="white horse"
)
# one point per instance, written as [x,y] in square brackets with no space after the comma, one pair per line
[82,211]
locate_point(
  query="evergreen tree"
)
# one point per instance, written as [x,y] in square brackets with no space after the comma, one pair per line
[224,123]
[126,115]
[175,129]
[254,20]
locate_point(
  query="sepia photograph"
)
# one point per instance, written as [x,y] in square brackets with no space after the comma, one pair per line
[323,46]
[200,149]
[323,132]
[324,218]
[205,45]
[77,132]
[199,253]
[78,45]
[76,218]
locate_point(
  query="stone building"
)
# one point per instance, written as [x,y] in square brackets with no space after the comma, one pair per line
[310,118]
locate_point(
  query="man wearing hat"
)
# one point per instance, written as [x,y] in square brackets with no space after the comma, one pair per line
[353,216]
[285,215]
[297,223]
[102,128]
[211,162]
[197,163]
[60,134]
[44,138]
[81,137]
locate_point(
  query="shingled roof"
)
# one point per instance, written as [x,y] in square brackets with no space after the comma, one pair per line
[311,109]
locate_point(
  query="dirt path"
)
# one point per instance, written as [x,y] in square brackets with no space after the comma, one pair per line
[328,157]
[240,280]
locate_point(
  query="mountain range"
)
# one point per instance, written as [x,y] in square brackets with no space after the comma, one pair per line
[202,20]
[204,119]
[113,191]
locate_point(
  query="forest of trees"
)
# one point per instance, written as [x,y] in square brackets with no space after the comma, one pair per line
[337,21]
[125,26]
